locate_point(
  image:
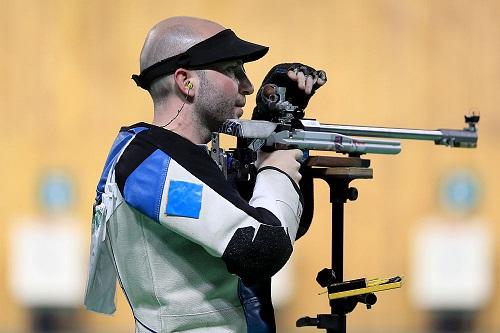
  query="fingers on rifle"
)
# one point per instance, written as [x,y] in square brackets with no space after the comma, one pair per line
[310,81]
[298,154]
[301,78]
[321,77]
[307,79]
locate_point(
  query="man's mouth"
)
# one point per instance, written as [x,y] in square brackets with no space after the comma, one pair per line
[241,102]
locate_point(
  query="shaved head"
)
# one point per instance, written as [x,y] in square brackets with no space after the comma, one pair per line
[174,36]
[168,38]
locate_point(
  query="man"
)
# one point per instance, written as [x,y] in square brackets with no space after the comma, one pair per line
[190,253]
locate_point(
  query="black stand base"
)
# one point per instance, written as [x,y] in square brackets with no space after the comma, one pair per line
[324,321]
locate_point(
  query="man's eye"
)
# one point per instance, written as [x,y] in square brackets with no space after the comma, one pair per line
[232,69]
[239,71]
[235,71]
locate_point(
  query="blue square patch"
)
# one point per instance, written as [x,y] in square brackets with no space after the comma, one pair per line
[184,199]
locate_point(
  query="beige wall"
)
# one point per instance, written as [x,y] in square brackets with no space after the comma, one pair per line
[65,91]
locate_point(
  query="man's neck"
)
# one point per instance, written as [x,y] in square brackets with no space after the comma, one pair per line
[182,123]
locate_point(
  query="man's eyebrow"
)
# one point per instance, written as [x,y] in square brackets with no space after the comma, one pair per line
[234,63]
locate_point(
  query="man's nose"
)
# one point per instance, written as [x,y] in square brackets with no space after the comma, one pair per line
[246,87]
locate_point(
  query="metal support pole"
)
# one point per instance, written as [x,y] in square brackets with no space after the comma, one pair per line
[338,179]
[338,195]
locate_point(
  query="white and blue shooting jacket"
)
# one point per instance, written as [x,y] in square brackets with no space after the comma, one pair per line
[190,254]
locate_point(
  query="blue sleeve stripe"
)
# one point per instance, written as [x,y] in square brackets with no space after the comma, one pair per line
[121,140]
[144,187]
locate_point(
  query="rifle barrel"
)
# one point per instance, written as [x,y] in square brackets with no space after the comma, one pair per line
[380,132]
[456,138]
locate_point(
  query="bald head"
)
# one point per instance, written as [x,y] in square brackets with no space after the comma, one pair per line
[174,36]
[169,38]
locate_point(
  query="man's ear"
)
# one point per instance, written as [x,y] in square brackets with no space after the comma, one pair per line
[185,82]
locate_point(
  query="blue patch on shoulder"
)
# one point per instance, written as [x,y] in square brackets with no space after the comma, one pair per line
[184,199]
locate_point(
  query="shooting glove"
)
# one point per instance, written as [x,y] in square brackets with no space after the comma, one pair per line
[278,76]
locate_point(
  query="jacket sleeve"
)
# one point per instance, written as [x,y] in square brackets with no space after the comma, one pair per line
[254,238]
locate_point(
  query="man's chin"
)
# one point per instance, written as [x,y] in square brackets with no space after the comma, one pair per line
[238,113]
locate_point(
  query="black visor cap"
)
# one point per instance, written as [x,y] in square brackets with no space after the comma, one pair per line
[223,46]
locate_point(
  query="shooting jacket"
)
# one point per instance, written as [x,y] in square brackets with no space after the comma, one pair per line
[190,254]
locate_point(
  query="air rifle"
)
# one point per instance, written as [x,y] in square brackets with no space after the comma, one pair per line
[284,127]
[288,130]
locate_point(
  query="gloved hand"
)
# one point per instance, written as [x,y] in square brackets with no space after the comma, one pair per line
[300,81]
[308,79]
[285,160]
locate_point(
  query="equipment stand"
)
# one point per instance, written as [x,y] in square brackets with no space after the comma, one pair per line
[338,173]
